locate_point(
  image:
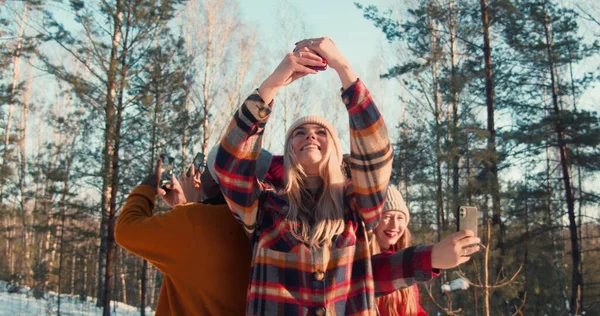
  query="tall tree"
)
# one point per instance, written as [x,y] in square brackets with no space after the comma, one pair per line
[545,38]
[16,54]
[132,28]
[163,88]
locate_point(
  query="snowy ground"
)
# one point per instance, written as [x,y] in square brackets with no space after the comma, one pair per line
[24,304]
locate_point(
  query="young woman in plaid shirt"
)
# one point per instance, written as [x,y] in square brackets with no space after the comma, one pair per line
[310,240]
[391,235]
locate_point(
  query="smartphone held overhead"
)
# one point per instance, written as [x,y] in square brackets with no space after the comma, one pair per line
[318,68]
[166,175]
[199,164]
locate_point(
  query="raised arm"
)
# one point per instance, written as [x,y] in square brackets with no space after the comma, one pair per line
[401,269]
[371,153]
[235,164]
[160,239]
[394,271]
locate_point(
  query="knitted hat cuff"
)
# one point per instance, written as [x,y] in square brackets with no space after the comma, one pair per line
[314,119]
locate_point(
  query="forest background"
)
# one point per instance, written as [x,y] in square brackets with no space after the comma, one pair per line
[490,103]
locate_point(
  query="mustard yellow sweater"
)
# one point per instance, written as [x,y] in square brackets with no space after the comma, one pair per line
[202,251]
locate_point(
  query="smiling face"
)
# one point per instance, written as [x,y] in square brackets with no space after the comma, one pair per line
[309,144]
[391,227]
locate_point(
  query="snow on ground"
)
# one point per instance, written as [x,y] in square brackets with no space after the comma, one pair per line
[22,303]
[455,285]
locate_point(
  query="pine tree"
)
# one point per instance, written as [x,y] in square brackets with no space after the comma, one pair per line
[545,38]
[104,83]
[163,89]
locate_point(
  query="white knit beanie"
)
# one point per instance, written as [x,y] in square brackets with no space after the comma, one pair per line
[314,119]
[395,202]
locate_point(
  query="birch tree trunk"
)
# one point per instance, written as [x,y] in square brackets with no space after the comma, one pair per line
[108,164]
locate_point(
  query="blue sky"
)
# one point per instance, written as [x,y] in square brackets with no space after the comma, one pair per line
[340,20]
[359,41]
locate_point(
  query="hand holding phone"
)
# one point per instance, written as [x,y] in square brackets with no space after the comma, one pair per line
[319,68]
[198,163]
[467,218]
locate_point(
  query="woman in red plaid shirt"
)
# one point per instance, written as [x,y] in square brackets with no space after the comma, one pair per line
[310,240]
[392,234]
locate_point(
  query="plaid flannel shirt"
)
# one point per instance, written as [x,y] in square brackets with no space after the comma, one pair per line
[289,278]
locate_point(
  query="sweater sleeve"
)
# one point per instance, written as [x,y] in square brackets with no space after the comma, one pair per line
[235,163]
[371,153]
[161,239]
[401,269]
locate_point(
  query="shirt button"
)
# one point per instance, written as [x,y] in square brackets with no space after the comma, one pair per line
[320,311]
[319,275]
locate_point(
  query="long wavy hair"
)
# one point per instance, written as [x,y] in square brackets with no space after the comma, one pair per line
[404,299]
[315,222]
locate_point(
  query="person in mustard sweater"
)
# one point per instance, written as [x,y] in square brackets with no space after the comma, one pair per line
[202,251]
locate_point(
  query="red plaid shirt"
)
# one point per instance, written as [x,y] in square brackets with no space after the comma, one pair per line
[289,278]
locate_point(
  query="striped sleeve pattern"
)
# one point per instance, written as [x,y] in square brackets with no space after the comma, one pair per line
[235,163]
[371,153]
[390,270]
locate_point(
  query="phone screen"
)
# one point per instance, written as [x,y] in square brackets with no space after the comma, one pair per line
[199,163]
[167,170]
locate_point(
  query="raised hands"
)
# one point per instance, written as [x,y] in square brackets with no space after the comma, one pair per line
[326,48]
[312,52]
[292,67]
[174,195]
[190,184]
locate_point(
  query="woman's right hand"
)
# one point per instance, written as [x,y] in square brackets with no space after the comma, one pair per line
[454,250]
[292,67]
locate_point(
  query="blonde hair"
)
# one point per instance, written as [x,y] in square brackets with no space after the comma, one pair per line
[326,214]
[401,299]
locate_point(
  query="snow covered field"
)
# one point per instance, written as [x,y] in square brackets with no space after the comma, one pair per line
[23,303]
